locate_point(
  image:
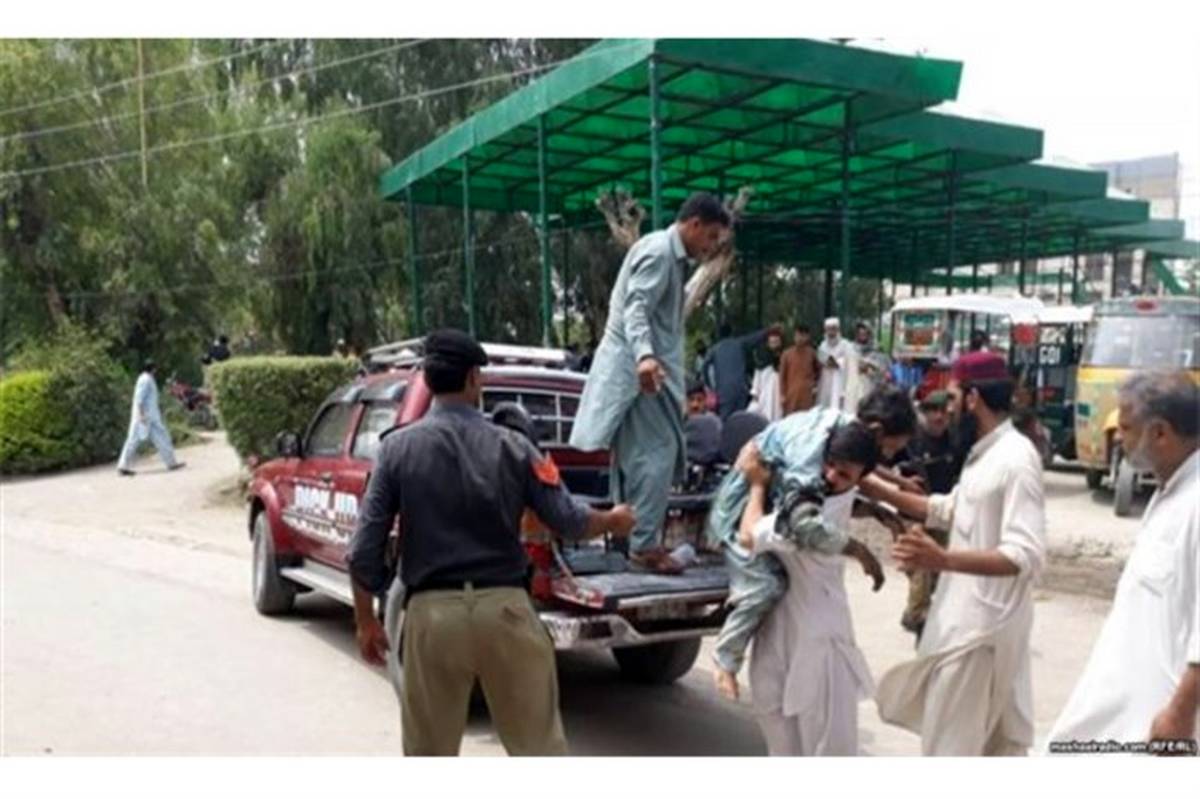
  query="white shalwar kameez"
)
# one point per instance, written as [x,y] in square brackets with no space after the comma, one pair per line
[831,392]
[807,674]
[969,691]
[1152,632]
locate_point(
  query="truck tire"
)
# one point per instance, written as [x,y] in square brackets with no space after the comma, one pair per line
[393,625]
[273,593]
[660,664]
[1095,478]
[1123,488]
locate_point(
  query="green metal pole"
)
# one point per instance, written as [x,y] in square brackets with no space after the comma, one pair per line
[951,225]
[468,244]
[566,279]
[656,175]
[1112,292]
[547,303]
[1021,266]
[844,248]
[744,317]
[417,324]
[758,266]
[975,278]
[828,291]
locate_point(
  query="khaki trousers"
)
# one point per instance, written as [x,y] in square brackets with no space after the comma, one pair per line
[452,638]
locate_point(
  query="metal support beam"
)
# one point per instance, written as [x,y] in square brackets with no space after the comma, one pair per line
[951,223]
[547,304]
[1116,257]
[566,283]
[1061,272]
[844,248]
[656,175]
[975,278]
[1021,266]
[417,324]
[468,245]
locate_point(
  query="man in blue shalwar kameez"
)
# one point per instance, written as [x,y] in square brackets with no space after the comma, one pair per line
[633,400]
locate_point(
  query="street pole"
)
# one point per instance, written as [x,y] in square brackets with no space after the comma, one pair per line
[142,114]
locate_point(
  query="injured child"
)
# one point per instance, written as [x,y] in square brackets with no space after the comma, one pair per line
[814,471]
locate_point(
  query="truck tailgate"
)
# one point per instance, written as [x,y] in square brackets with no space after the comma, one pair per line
[630,589]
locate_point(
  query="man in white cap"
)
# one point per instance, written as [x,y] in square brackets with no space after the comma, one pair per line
[835,354]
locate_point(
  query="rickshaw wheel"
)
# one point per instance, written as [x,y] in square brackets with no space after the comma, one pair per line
[1094,478]
[1123,488]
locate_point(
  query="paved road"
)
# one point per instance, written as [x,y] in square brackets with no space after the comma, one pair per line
[128,628]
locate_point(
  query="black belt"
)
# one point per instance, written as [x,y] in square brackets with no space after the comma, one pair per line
[461,585]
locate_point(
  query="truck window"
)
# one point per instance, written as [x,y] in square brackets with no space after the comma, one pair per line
[553,413]
[329,433]
[377,417]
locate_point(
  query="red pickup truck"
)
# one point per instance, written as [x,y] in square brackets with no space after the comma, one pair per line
[304,504]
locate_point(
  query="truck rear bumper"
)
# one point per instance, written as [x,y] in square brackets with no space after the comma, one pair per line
[603,631]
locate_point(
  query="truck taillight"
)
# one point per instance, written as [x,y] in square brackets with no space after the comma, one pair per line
[542,558]
[1145,305]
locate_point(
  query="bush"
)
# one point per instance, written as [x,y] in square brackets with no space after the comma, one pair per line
[35,430]
[89,387]
[257,398]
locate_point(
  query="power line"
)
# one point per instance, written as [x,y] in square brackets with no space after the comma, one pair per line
[416,96]
[108,87]
[511,240]
[198,98]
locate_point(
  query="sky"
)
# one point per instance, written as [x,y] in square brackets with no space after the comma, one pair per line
[1097,96]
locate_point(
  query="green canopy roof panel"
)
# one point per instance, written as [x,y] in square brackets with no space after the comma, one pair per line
[765,112]
[1180,248]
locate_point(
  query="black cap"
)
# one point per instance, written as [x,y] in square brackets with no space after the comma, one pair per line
[453,349]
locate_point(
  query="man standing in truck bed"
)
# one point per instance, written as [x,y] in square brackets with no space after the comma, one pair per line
[633,400]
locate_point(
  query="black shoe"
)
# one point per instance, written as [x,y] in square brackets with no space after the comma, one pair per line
[125,472]
[175,466]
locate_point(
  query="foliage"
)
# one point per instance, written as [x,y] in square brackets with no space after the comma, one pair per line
[258,398]
[34,428]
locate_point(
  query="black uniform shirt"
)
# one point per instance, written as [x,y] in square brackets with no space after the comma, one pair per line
[460,485]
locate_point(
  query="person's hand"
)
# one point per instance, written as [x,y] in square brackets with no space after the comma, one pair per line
[751,466]
[917,551]
[650,375]
[621,521]
[372,641]
[832,362]
[1173,724]
[910,484]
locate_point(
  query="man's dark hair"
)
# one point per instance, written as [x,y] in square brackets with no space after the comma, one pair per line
[223,339]
[890,408]
[852,442]
[803,328]
[725,331]
[695,387]
[705,207]
[148,365]
[446,378]
[978,340]
[997,395]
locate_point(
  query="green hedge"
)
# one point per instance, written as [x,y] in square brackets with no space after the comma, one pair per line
[35,430]
[258,398]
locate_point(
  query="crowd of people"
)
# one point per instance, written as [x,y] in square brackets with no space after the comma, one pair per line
[960,488]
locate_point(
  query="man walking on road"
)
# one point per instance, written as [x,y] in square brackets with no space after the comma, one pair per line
[633,400]
[1142,682]
[460,486]
[969,691]
[145,421]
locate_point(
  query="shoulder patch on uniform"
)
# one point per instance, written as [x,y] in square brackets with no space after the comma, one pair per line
[545,471]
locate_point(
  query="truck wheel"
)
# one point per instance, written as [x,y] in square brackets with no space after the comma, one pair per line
[1123,488]
[393,625]
[1094,478]
[661,663]
[274,594]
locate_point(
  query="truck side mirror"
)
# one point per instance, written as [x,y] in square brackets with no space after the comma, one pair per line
[287,445]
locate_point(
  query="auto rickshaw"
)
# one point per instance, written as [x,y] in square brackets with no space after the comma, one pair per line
[1060,336]
[928,333]
[1126,335]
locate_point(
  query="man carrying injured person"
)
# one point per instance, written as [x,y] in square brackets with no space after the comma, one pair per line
[818,456]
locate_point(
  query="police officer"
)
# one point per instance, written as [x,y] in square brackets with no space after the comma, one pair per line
[460,485]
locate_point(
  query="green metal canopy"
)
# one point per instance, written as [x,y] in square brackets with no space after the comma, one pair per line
[850,168]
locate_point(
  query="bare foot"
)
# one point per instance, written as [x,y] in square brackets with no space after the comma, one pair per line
[727,684]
